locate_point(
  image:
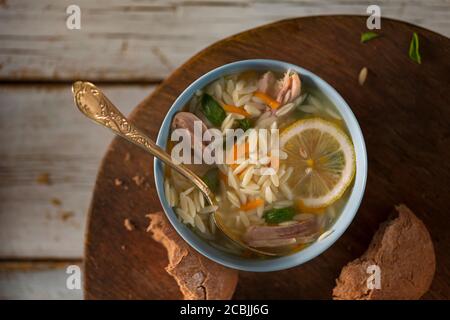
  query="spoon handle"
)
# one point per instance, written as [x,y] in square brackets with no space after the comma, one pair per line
[96,106]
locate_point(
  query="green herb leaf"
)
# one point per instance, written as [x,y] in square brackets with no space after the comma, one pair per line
[414,53]
[275,216]
[212,110]
[244,124]
[367,36]
[211,178]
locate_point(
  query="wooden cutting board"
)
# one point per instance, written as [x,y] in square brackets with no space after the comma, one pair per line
[404,112]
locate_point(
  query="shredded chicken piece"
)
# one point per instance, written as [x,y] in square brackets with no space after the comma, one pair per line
[273,236]
[283,91]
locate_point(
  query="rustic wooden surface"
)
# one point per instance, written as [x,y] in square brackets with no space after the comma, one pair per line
[402,109]
[72,167]
[126,42]
[36,280]
[133,40]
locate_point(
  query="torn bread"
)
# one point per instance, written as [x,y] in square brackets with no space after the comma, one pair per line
[403,251]
[198,277]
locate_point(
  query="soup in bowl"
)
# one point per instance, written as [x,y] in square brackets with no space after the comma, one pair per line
[282,153]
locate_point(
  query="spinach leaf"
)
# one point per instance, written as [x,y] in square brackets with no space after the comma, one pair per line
[414,53]
[211,178]
[212,110]
[274,216]
[367,36]
[244,124]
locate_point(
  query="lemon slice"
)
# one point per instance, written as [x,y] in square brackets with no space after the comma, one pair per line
[323,159]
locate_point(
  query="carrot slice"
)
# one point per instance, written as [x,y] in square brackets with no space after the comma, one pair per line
[252,204]
[233,109]
[267,99]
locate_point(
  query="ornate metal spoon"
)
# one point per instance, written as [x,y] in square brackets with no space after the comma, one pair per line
[97,107]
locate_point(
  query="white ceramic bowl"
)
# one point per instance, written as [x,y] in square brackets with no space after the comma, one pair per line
[348,212]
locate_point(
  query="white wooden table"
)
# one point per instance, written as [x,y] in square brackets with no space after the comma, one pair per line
[126,47]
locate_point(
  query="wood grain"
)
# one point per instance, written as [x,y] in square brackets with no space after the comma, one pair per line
[145,41]
[43,132]
[402,109]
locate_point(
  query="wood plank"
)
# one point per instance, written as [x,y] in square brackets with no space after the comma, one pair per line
[38,280]
[131,40]
[43,132]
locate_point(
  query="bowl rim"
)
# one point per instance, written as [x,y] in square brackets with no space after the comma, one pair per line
[342,222]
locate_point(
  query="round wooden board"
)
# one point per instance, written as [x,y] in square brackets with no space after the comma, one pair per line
[404,112]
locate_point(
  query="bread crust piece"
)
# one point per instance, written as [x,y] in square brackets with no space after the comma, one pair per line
[198,277]
[403,250]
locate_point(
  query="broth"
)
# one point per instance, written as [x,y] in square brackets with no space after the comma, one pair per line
[311,177]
